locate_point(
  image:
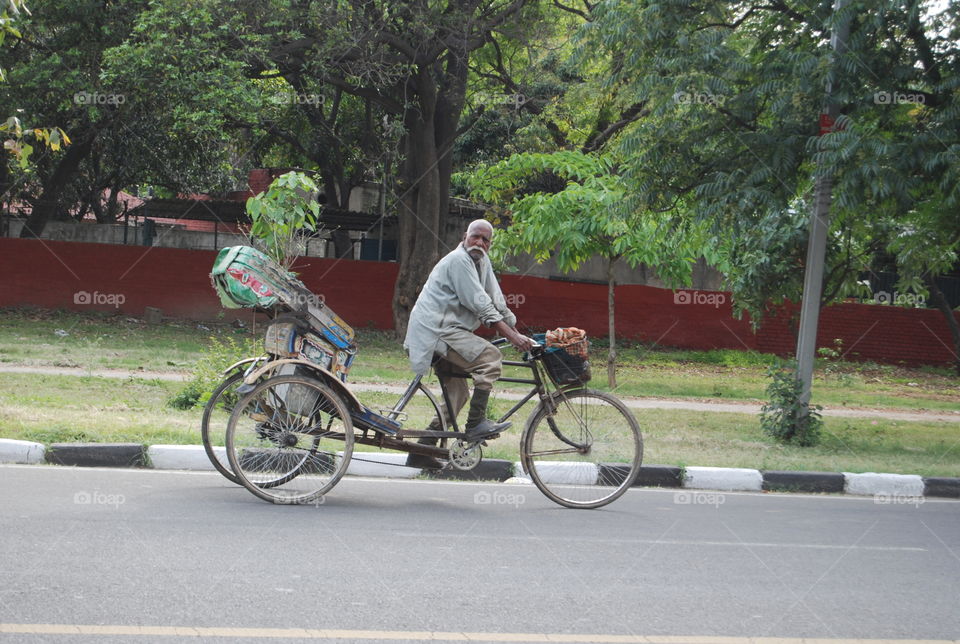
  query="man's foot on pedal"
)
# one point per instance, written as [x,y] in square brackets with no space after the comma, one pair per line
[423,462]
[486,429]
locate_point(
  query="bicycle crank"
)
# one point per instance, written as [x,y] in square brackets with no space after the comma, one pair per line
[464,455]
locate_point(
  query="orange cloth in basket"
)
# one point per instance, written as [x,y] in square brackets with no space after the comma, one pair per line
[572,339]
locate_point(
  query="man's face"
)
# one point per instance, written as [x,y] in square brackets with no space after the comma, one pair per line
[477,241]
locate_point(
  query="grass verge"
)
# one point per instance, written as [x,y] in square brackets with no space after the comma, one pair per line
[96,341]
[52,409]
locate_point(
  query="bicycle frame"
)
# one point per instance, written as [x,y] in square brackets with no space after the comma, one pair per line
[539,382]
[385,436]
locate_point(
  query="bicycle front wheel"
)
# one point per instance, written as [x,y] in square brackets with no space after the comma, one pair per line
[290,440]
[582,449]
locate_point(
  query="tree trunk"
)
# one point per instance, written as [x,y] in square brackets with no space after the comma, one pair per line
[430,131]
[611,331]
[47,203]
[941,303]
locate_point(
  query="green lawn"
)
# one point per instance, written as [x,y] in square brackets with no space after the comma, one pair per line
[52,409]
[95,341]
[84,408]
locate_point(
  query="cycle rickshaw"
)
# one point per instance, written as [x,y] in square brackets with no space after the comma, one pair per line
[292,422]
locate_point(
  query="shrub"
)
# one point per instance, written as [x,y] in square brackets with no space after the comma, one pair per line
[208,372]
[785,417]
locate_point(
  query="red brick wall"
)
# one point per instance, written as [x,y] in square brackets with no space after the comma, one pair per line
[129,278]
[51,274]
[889,334]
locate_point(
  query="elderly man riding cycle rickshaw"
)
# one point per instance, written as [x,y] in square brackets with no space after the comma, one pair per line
[292,423]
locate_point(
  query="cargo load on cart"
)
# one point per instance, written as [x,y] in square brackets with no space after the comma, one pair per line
[303,327]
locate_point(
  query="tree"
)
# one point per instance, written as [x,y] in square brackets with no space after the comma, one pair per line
[364,60]
[733,91]
[583,220]
[16,144]
[184,93]
[53,66]
[411,62]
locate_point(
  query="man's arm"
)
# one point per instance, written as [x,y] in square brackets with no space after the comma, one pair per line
[517,339]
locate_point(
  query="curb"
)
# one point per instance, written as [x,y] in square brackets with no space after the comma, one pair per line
[939,486]
[815,482]
[895,485]
[391,465]
[724,479]
[14,451]
[182,457]
[98,454]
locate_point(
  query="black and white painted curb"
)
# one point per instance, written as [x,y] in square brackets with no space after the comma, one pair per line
[895,487]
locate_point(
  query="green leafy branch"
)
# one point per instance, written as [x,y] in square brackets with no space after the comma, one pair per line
[282,214]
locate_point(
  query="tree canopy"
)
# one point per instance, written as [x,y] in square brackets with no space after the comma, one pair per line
[733,93]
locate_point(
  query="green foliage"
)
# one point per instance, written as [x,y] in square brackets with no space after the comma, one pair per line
[208,371]
[8,20]
[186,95]
[586,217]
[54,137]
[832,363]
[281,214]
[730,136]
[583,219]
[784,417]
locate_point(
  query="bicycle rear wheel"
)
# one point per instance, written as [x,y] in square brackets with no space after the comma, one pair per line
[583,449]
[213,425]
[290,440]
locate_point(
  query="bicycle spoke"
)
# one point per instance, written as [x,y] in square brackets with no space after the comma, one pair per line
[286,437]
[552,452]
[570,449]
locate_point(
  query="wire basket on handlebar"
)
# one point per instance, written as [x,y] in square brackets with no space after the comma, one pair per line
[565,358]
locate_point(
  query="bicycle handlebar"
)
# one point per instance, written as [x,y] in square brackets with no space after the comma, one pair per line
[535,352]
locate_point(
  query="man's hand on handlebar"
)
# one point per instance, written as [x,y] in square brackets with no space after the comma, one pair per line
[514,337]
[522,342]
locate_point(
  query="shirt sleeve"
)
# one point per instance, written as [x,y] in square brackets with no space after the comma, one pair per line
[499,301]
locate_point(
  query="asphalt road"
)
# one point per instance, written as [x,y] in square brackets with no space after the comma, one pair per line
[141,553]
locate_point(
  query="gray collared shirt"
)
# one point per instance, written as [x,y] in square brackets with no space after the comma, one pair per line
[459,296]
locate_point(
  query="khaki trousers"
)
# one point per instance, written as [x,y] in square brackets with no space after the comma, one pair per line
[485,370]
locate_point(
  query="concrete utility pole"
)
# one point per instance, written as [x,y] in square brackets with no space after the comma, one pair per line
[819,225]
